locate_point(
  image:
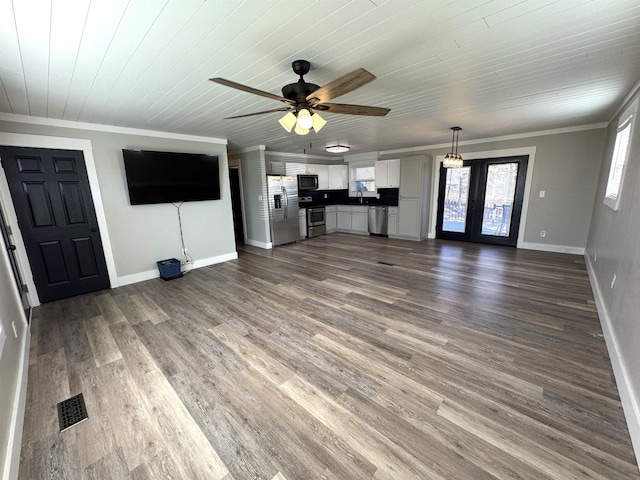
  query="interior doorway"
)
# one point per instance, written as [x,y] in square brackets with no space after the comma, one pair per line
[236,203]
[482,201]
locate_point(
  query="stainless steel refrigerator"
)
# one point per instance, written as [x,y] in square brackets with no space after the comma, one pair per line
[283,208]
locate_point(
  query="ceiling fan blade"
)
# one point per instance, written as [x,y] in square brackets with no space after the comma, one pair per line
[255,91]
[352,109]
[281,109]
[340,86]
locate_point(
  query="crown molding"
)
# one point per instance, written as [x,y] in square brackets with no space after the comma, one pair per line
[627,99]
[517,136]
[300,156]
[257,148]
[55,122]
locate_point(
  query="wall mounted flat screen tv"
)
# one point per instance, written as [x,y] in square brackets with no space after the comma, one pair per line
[166,177]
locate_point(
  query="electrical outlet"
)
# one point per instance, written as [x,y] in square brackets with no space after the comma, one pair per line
[15,329]
[542,193]
[543,233]
[325,195]
[613,280]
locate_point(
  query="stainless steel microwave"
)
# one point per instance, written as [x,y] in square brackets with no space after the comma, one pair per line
[307,182]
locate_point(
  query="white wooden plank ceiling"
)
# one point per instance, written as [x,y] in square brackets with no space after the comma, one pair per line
[494,67]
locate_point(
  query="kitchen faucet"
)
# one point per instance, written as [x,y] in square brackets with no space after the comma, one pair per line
[359,192]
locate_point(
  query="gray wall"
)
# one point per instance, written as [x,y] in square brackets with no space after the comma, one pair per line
[142,234]
[566,166]
[615,238]
[10,311]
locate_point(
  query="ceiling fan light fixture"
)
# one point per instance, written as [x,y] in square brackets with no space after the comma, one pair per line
[453,159]
[337,148]
[288,121]
[301,131]
[304,119]
[318,122]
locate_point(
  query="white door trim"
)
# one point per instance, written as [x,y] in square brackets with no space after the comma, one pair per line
[507,152]
[63,143]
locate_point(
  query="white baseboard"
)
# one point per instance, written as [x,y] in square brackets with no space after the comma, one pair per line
[213,260]
[629,401]
[552,248]
[256,243]
[12,460]
[400,237]
[149,274]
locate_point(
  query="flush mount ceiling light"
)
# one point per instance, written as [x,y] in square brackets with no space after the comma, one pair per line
[337,149]
[452,159]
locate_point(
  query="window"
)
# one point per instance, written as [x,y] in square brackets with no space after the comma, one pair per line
[619,159]
[363,179]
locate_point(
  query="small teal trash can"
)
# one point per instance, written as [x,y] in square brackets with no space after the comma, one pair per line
[169,268]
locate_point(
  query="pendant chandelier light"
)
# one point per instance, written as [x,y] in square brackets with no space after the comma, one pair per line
[453,159]
[303,121]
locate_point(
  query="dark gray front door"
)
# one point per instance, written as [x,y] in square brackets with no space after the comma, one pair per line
[53,203]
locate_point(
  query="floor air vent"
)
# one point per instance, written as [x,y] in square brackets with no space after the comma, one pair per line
[385,263]
[71,412]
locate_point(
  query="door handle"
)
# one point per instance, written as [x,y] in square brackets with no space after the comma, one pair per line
[12,248]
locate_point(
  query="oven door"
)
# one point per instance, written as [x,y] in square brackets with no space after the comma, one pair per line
[315,216]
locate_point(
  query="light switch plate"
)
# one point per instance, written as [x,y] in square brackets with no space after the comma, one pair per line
[542,193]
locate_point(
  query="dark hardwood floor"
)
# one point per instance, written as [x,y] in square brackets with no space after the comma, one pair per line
[342,357]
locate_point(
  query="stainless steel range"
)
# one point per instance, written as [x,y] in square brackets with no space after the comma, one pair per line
[316,222]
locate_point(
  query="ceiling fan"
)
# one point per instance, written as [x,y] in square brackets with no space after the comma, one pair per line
[306,99]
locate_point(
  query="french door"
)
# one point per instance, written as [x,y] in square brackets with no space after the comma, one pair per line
[482,201]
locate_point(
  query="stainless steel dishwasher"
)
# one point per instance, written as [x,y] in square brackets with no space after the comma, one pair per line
[378,224]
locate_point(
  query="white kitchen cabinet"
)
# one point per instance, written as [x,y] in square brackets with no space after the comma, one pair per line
[413,199]
[411,173]
[409,217]
[323,175]
[277,168]
[392,220]
[331,218]
[360,219]
[353,219]
[302,216]
[388,173]
[338,177]
[344,218]
[294,169]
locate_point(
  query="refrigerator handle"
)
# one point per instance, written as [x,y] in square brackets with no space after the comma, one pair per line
[286,202]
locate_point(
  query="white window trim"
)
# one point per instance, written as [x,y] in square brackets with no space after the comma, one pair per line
[626,120]
[360,164]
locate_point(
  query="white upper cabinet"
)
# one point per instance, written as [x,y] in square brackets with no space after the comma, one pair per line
[388,173]
[323,175]
[411,177]
[338,177]
[295,168]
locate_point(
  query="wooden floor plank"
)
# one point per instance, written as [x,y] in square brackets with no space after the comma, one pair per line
[315,361]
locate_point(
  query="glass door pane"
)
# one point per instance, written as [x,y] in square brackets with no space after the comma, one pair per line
[456,198]
[499,196]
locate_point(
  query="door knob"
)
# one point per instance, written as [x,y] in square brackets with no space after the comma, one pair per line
[12,248]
